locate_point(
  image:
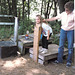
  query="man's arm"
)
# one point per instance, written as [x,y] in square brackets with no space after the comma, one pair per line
[51,19]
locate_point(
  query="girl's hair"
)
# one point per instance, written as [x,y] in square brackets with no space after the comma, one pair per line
[69,5]
[39,16]
[41,19]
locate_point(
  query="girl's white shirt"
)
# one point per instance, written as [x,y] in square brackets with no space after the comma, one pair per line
[46,27]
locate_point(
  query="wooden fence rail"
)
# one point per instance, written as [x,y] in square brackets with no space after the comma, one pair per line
[15,26]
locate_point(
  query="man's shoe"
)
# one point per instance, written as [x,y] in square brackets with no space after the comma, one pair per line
[68,64]
[56,61]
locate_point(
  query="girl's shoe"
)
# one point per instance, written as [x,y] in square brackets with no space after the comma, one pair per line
[44,51]
[41,50]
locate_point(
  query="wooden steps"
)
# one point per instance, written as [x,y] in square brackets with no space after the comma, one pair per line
[51,54]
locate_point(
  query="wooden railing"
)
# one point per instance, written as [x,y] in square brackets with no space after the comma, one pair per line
[15,26]
[6,23]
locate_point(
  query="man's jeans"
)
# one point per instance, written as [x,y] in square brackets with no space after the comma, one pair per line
[69,35]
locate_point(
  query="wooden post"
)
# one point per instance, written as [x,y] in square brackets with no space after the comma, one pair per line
[16,31]
[74,37]
[74,50]
[37,33]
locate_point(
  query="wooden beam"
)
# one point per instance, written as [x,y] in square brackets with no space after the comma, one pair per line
[6,23]
[6,16]
[37,33]
[16,31]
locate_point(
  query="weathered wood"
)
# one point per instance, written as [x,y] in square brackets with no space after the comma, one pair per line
[37,33]
[23,43]
[6,16]
[6,23]
[43,62]
[40,60]
[74,45]
[7,48]
[16,31]
[74,56]
[51,54]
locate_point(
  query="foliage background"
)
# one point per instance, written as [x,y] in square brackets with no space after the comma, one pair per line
[26,10]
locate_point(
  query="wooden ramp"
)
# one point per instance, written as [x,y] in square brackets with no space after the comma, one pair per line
[52,53]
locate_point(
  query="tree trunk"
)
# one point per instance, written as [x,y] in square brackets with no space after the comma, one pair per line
[19,15]
[0,7]
[9,5]
[46,14]
[23,10]
[50,9]
[28,9]
[14,7]
[55,9]
[41,7]
[5,7]
[61,5]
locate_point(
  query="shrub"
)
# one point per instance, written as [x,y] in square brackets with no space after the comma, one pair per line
[6,32]
[25,25]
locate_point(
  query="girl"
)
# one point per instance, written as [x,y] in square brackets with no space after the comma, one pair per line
[46,33]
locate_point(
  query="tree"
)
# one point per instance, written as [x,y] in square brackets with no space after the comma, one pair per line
[28,9]
[23,9]
[55,8]
[61,4]
[9,5]
[14,7]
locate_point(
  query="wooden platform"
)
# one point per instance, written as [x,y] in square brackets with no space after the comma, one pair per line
[23,43]
[52,53]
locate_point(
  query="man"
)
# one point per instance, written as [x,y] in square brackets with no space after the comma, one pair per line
[67,31]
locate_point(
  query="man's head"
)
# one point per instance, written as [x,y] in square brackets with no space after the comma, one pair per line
[69,7]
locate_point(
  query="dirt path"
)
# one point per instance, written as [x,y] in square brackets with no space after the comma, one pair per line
[26,66]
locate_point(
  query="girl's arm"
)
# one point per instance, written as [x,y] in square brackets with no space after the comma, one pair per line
[48,34]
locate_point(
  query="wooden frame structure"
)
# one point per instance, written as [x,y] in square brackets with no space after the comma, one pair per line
[15,27]
[37,33]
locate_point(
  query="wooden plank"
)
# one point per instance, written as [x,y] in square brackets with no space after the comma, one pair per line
[35,44]
[52,52]
[39,60]
[6,23]
[16,31]
[37,34]
[6,16]
[74,44]
[74,54]
[43,62]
